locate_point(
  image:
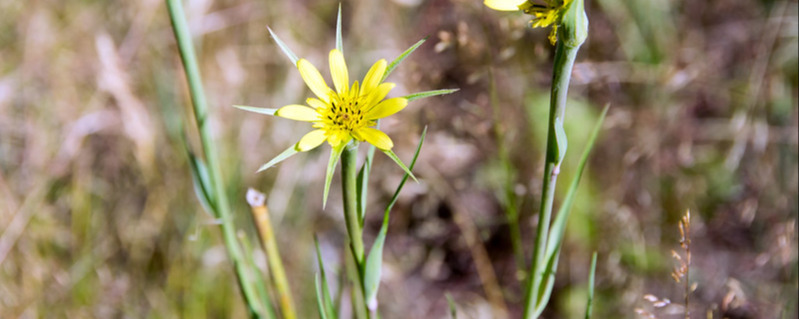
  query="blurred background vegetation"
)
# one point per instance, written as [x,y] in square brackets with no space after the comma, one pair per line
[98,214]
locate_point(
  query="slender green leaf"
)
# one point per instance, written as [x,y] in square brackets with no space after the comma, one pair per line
[202,184]
[453,308]
[289,152]
[335,155]
[589,304]
[284,47]
[325,302]
[320,303]
[256,276]
[374,262]
[339,42]
[393,65]
[559,225]
[405,178]
[259,110]
[396,159]
[374,265]
[421,95]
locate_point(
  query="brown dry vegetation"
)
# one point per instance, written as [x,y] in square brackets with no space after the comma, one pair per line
[99,219]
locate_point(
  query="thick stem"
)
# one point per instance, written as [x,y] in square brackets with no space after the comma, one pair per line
[349,178]
[221,204]
[564,61]
[349,188]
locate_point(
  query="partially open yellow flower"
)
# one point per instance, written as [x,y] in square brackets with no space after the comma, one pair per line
[348,111]
[547,14]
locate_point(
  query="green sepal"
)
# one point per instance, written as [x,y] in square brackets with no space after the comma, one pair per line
[421,95]
[289,152]
[393,65]
[259,110]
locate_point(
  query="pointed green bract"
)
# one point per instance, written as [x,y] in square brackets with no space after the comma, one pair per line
[421,95]
[396,159]
[289,152]
[323,299]
[259,110]
[393,65]
[284,47]
[335,154]
[339,41]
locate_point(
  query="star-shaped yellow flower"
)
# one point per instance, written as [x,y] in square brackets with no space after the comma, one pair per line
[348,112]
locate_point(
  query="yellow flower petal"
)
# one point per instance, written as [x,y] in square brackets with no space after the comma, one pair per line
[298,113]
[316,103]
[376,138]
[386,108]
[374,76]
[335,138]
[504,5]
[338,70]
[313,79]
[379,93]
[311,140]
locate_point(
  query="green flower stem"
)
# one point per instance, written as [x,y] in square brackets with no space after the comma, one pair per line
[349,181]
[221,205]
[349,188]
[564,61]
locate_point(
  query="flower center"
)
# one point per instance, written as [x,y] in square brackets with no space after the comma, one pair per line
[345,113]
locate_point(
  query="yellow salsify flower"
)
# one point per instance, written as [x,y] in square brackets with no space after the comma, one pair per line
[547,14]
[346,113]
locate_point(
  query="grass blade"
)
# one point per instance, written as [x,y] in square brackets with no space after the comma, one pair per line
[289,152]
[325,302]
[421,95]
[393,65]
[284,47]
[589,304]
[259,110]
